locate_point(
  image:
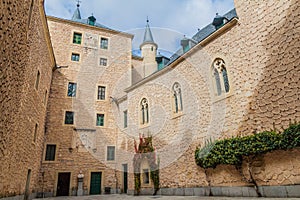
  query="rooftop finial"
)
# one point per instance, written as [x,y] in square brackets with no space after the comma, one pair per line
[78,3]
[147,19]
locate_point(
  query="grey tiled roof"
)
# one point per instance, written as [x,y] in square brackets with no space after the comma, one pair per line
[202,34]
[209,29]
[86,21]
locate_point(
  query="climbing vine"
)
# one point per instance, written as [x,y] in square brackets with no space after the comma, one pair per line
[145,150]
[231,151]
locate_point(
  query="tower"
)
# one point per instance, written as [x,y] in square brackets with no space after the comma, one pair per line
[149,51]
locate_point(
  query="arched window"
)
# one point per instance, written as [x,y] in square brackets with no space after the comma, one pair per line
[177,97]
[144,111]
[220,77]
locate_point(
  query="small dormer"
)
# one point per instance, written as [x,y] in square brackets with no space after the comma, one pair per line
[219,21]
[161,61]
[187,43]
[92,20]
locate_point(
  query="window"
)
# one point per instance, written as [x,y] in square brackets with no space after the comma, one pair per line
[125,118]
[177,96]
[37,81]
[110,153]
[75,57]
[69,117]
[100,120]
[144,111]
[146,177]
[50,152]
[72,89]
[104,43]
[103,61]
[45,97]
[77,38]
[220,77]
[101,93]
[35,132]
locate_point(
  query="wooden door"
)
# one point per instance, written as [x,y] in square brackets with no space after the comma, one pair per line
[63,184]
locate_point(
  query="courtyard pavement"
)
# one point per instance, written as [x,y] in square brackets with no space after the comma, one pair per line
[121,197]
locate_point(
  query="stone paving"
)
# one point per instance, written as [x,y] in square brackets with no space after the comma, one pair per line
[119,197]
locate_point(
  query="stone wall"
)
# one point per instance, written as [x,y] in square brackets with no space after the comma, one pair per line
[83,146]
[261,53]
[25,49]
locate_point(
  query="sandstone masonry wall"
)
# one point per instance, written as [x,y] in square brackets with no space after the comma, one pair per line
[24,51]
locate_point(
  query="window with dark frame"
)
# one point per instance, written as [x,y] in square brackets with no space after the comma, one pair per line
[103,61]
[77,37]
[75,57]
[50,152]
[101,93]
[110,153]
[37,81]
[104,43]
[125,118]
[72,89]
[35,132]
[69,117]
[100,120]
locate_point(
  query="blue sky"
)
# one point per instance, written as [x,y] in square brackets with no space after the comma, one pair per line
[170,20]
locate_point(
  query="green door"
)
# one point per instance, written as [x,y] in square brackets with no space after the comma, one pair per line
[95,186]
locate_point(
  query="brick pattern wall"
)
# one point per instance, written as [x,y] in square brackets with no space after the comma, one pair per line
[24,51]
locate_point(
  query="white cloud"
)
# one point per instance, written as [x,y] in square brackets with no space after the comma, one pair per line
[174,18]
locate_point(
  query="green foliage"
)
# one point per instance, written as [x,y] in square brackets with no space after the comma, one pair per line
[145,150]
[231,151]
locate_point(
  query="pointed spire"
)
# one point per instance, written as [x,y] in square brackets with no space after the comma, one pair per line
[76,15]
[148,35]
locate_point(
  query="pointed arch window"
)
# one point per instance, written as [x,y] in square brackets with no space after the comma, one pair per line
[220,77]
[144,111]
[177,96]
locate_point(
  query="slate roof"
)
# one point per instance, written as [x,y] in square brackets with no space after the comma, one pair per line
[203,33]
[148,38]
[77,18]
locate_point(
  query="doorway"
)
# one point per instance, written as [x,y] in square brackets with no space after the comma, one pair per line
[95,184]
[63,184]
[125,178]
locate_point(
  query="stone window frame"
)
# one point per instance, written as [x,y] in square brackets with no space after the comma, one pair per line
[64,117]
[76,54]
[104,123]
[213,69]
[105,93]
[105,64]
[45,151]
[106,153]
[72,37]
[142,121]
[177,104]
[105,119]
[103,38]
[76,89]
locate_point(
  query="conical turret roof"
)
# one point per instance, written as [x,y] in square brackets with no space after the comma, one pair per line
[148,37]
[76,15]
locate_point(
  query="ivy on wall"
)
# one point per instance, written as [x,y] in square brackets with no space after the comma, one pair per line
[145,150]
[231,151]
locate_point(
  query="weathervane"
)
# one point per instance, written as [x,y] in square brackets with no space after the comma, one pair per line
[78,3]
[147,19]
